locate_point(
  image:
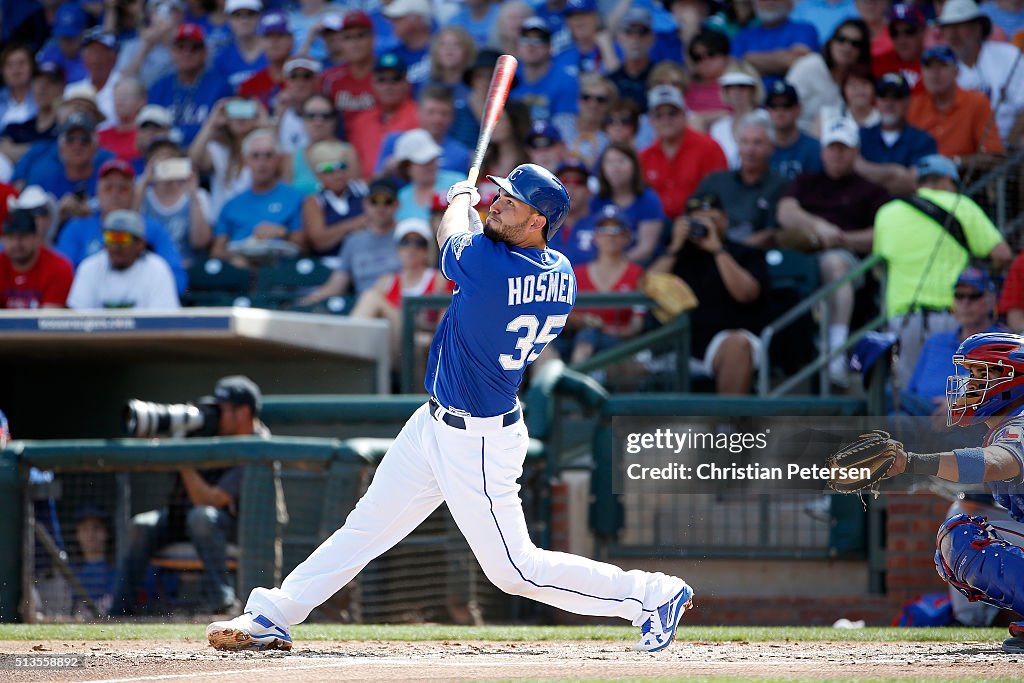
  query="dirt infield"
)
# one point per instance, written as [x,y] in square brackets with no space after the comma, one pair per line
[192,660]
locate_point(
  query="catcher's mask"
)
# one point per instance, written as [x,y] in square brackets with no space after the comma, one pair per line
[989,377]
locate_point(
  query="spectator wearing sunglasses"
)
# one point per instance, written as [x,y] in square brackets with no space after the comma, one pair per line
[319,123]
[301,76]
[544,87]
[709,60]
[336,209]
[243,56]
[367,254]
[818,78]
[394,111]
[635,37]
[796,152]
[907,30]
[124,274]
[583,135]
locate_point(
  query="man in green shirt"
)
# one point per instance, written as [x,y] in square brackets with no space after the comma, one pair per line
[924,258]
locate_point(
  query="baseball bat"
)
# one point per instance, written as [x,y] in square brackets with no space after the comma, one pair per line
[497,93]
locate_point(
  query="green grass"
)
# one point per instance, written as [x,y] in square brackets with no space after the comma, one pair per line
[313,632]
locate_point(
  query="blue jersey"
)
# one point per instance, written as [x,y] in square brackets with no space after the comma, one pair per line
[509,303]
[1010,435]
[190,105]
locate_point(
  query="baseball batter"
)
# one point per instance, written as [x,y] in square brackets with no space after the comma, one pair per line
[466,446]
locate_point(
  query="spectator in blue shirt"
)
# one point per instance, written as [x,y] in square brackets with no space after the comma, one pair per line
[575,239]
[95,572]
[477,17]
[796,152]
[83,237]
[65,47]
[243,56]
[192,90]
[549,92]
[890,149]
[410,20]
[589,51]
[777,42]
[436,110]
[636,38]
[270,209]
[71,174]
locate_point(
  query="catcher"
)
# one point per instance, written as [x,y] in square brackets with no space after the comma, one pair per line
[983,561]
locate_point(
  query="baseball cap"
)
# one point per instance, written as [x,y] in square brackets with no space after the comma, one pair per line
[937,165]
[417,146]
[843,131]
[413,226]
[90,512]
[390,61]
[973,276]
[962,12]
[892,83]
[579,6]
[51,69]
[154,114]
[637,16]
[273,23]
[239,390]
[941,53]
[542,134]
[69,21]
[706,201]
[123,220]
[32,198]
[535,24]
[383,185]
[403,8]
[98,35]
[909,14]
[116,166]
[232,6]
[20,222]
[609,213]
[296,63]
[78,121]
[736,78]
[353,19]
[191,33]
[665,94]
[781,93]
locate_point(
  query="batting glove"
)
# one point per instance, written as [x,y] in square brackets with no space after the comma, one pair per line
[464,187]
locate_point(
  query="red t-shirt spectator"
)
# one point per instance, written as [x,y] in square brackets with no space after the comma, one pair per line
[369,129]
[261,86]
[1013,289]
[891,63]
[120,142]
[349,93]
[46,283]
[675,179]
[613,318]
[6,191]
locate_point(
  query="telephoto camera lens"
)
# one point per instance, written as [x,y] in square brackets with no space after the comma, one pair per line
[145,419]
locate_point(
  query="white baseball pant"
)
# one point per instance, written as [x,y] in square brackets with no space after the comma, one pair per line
[475,470]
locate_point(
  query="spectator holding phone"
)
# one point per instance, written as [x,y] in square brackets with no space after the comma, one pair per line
[217,149]
[170,194]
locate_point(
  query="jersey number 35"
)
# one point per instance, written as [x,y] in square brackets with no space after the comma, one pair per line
[530,344]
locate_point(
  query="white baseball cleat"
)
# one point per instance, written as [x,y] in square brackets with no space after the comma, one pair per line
[248,631]
[660,628]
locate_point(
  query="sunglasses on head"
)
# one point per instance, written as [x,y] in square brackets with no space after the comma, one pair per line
[318,115]
[332,166]
[118,238]
[383,200]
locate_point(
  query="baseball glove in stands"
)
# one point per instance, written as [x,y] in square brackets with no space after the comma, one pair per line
[671,294]
[873,454]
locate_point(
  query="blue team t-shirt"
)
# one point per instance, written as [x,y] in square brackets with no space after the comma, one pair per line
[761,38]
[240,216]
[645,207]
[509,303]
[190,106]
[230,64]
[553,93]
[803,156]
[912,144]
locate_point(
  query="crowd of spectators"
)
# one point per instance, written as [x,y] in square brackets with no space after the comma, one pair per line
[139,138]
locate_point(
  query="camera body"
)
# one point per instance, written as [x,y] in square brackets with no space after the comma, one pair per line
[146,419]
[699,229]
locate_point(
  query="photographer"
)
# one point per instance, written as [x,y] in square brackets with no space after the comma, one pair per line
[729,280]
[202,507]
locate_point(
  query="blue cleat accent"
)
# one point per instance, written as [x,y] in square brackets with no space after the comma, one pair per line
[248,632]
[659,630]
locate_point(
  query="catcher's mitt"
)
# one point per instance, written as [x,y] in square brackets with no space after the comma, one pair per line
[876,451]
[671,294]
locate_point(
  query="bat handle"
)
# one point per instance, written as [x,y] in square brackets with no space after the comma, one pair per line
[473,174]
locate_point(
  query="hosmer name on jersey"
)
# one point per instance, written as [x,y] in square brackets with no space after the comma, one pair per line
[550,286]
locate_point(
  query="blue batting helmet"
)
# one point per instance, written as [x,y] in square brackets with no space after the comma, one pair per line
[994,378]
[537,187]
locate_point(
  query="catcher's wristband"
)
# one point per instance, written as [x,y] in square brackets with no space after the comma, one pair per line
[923,463]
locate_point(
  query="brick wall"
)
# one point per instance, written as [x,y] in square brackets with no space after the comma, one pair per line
[911,523]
